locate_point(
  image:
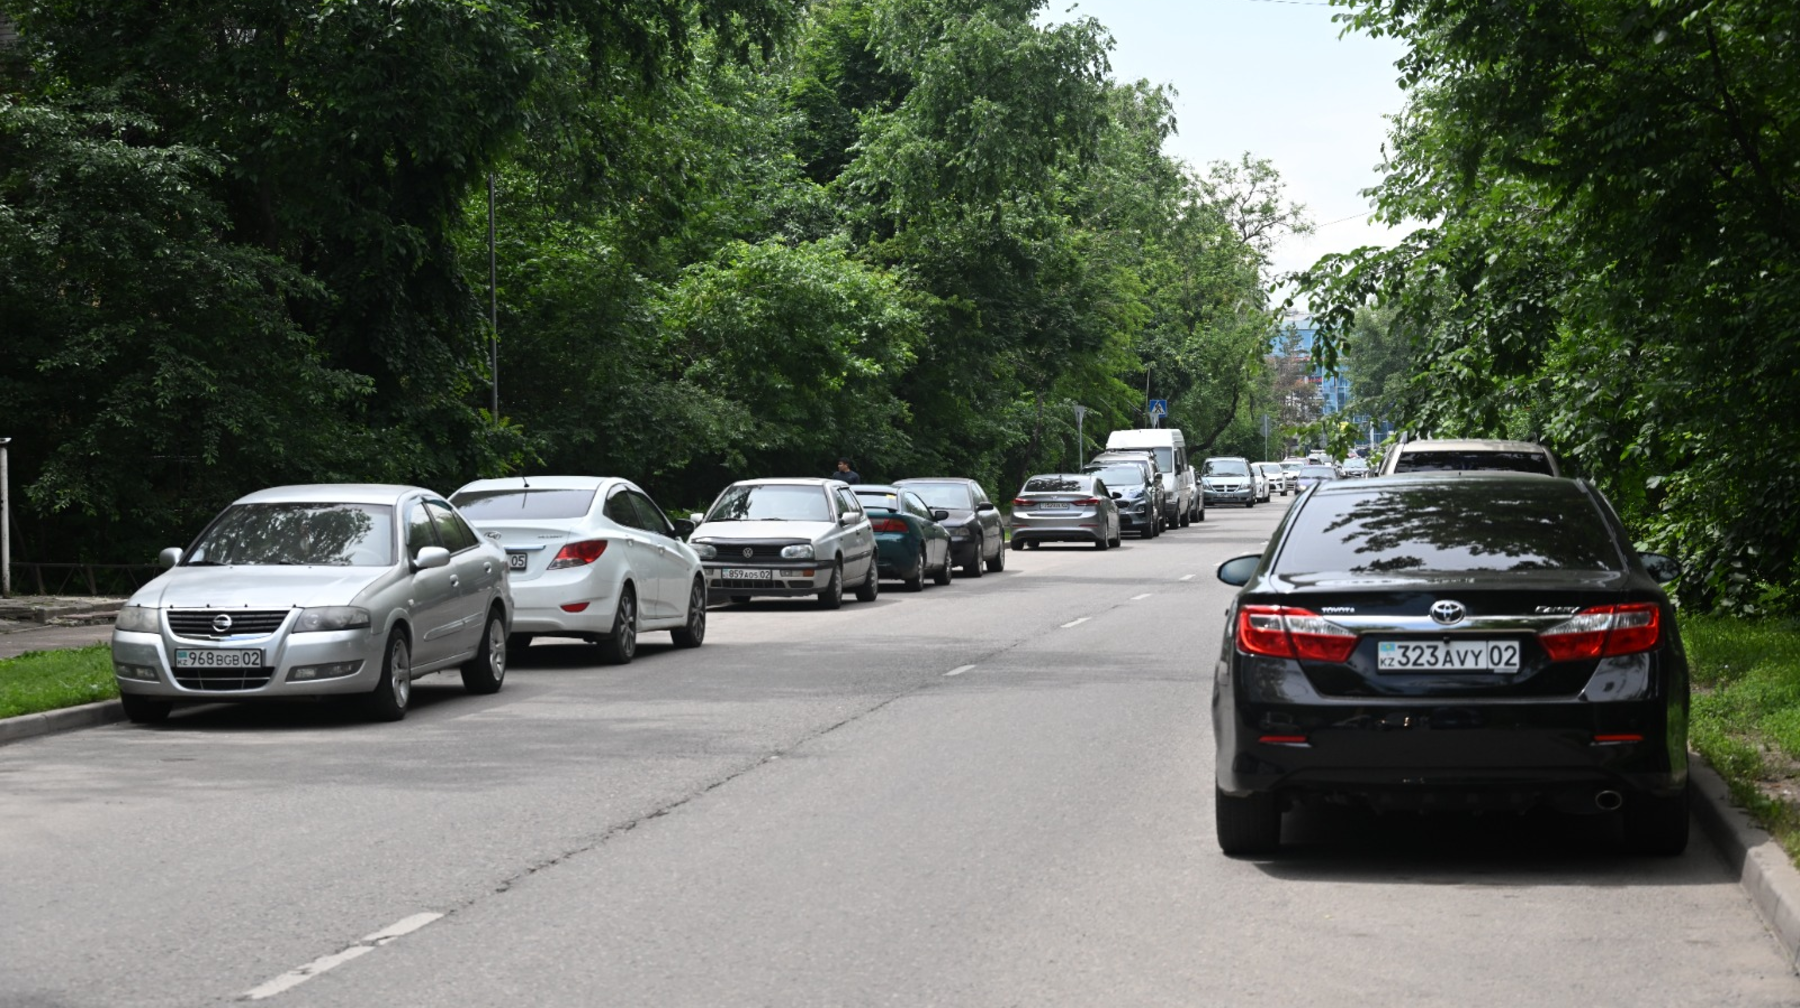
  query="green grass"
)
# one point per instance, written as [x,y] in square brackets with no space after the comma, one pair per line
[50,680]
[1746,718]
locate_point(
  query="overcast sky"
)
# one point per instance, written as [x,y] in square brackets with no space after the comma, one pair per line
[1270,77]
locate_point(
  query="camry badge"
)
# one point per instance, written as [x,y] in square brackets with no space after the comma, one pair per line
[1447,612]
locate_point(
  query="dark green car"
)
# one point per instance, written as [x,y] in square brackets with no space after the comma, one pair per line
[909,541]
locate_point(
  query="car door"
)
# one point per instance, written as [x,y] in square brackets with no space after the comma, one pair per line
[638,556]
[433,602]
[475,574]
[857,537]
[663,552]
[937,541]
[993,528]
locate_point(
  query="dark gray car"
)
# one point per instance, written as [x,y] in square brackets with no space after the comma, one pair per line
[977,531]
[1138,491]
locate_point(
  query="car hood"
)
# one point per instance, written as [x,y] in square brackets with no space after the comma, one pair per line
[256,587]
[804,530]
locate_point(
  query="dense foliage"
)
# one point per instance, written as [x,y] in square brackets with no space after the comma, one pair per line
[1605,197]
[247,243]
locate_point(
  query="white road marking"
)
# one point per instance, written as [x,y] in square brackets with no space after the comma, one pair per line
[959,670]
[1186,577]
[294,978]
[1078,622]
[1139,598]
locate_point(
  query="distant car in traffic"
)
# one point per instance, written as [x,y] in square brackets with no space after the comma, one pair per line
[592,557]
[1311,475]
[909,542]
[1227,479]
[1471,642]
[1136,486]
[1354,468]
[786,538]
[1280,480]
[977,530]
[1469,455]
[1065,507]
[320,590]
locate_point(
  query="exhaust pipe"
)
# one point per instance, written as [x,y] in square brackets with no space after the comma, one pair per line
[1608,801]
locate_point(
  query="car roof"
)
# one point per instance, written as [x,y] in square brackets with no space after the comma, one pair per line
[878,487]
[1471,444]
[813,481]
[933,479]
[1501,477]
[540,483]
[334,493]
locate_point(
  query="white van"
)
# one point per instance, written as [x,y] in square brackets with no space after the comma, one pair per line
[1182,505]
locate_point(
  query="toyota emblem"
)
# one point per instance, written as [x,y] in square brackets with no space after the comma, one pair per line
[1447,612]
[221,623]
[748,552]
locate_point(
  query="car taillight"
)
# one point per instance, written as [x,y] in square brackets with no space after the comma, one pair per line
[888,525]
[578,554]
[1087,501]
[1021,502]
[1604,632]
[1287,632]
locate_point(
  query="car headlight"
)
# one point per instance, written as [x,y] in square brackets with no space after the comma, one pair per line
[137,619]
[331,618]
[706,551]
[798,551]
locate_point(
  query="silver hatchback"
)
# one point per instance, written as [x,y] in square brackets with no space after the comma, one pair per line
[1065,507]
[331,589]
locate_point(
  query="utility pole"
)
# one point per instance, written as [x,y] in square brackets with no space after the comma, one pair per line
[1147,416]
[1080,438]
[5,525]
[493,306]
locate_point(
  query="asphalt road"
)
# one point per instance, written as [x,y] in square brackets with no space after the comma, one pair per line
[992,793]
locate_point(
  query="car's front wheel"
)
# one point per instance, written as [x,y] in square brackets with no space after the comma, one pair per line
[997,562]
[621,646]
[391,695]
[1248,825]
[145,710]
[916,582]
[833,595]
[693,633]
[870,589]
[486,672]
[974,567]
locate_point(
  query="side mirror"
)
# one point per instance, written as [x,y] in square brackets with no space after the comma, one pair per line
[1118,495]
[984,506]
[169,557]
[696,518]
[1664,569]
[1238,569]
[429,557]
[939,514]
[684,527]
[848,518]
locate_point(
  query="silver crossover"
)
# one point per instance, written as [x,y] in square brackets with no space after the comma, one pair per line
[340,589]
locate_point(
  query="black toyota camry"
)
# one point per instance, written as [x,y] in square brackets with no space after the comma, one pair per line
[1468,641]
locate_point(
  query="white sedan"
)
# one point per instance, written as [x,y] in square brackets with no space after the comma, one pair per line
[591,557]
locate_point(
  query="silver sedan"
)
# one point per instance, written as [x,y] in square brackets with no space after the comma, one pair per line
[332,589]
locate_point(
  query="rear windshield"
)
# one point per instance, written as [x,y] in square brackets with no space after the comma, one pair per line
[1054,484]
[944,495]
[1325,471]
[876,499]
[1466,461]
[1448,527]
[521,502]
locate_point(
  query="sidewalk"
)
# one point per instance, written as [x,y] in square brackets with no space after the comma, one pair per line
[49,622]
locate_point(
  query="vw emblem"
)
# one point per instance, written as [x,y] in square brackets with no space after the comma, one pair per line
[748,552]
[221,623]
[1447,612]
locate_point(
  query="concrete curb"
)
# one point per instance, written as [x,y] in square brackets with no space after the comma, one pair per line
[1762,868]
[26,726]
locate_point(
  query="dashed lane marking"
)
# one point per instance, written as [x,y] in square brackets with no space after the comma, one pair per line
[1140,598]
[1078,622]
[959,670]
[294,978]
[1186,577]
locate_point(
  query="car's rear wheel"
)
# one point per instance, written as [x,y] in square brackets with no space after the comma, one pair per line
[1018,544]
[973,567]
[1103,542]
[1657,826]
[1248,825]
[621,646]
[693,633]
[391,695]
[145,710]
[870,589]
[916,583]
[833,595]
[486,672]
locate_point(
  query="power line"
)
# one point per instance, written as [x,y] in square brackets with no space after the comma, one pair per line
[1340,220]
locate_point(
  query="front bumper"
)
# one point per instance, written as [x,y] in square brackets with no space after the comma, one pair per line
[282,655]
[791,578]
[1240,495]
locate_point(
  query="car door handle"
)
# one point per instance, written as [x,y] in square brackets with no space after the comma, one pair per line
[455,582]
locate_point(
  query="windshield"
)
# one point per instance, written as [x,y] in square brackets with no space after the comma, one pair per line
[1227,467]
[1113,455]
[329,535]
[1119,476]
[1448,527]
[1318,472]
[771,502]
[523,502]
[944,495]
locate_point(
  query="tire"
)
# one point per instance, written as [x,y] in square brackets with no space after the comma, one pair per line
[1200,515]
[1015,545]
[392,694]
[621,646]
[870,589]
[997,562]
[1247,826]
[1187,517]
[916,583]
[1147,532]
[1657,826]
[1118,539]
[694,633]
[145,710]
[973,567]
[518,641]
[942,575]
[1103,542]
[833,595]
[486,672]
